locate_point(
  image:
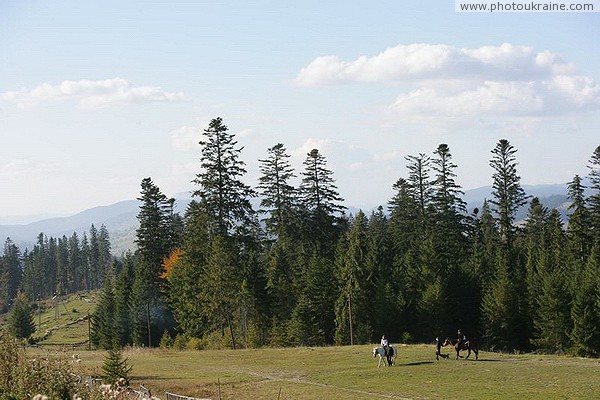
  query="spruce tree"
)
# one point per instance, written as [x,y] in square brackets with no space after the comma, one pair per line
[578,229]
[585,309]
[122,301]
[104,329]
[115,367]
[185,281]
[221,190]
[278,196]
[508,195]
[594,199]
[419,180]
[321,203]
[221,283]
[313,318]
[352,306]
[20,321]
[11,271]
[155,238]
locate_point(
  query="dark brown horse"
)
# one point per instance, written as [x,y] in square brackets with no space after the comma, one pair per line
[469,345]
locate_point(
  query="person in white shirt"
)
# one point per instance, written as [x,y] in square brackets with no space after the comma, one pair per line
[386,348]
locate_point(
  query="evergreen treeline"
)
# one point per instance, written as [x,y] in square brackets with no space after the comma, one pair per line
[299,271]
[54,266]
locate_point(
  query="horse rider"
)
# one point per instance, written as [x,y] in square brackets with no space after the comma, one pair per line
[386,348]
[462,339]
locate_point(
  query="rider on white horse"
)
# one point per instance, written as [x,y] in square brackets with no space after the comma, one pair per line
[386,348]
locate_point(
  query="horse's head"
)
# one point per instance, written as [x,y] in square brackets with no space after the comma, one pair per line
[374,352]
[447,342]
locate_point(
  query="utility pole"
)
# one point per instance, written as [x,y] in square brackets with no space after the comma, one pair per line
[40,313]
[350,311]
[89,332]
[148,317]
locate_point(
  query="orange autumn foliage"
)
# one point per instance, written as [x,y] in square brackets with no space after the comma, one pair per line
[169,263]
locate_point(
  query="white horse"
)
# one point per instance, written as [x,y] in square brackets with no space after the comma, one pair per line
[380,351]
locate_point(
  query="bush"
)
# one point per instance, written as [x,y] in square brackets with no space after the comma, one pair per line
[166,341]
[180,342]
[20,376]
[216,341]
[195,344]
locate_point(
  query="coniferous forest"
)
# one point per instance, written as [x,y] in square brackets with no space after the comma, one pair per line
[301,271]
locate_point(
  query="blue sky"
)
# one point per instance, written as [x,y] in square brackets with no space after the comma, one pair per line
[95,96]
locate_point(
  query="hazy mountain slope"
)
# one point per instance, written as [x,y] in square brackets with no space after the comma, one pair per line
[121,218]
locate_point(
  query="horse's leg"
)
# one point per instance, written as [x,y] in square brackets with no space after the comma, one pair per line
[469,353]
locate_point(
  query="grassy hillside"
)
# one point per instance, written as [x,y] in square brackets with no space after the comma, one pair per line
[71,326]
[352,373]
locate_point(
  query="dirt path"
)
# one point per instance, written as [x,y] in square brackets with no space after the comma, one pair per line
[299,380]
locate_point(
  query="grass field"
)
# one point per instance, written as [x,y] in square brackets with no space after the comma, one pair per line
[71,326]
[352,373]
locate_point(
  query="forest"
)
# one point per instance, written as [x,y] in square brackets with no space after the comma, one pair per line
[300,271]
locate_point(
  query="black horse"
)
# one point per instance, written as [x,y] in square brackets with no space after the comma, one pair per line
[469,345]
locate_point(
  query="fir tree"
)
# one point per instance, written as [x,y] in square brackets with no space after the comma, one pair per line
[418,180]
[321,203]
[222,191]
[104,329]
[221,282]
[20,321]
[352,308]
[155,238]
[115,367]
[585,310]
[594,199]
[10,271]
[185,281]
[278,196]
[578,230]
[508,194]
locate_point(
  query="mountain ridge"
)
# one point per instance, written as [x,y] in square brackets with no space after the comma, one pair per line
[120,218]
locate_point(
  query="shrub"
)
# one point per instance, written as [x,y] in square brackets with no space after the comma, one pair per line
[180,342]
[20,376]
[166,341]
[195,344]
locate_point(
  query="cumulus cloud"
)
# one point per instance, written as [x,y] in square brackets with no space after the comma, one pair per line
[92,93]
[444,81]
[435,61]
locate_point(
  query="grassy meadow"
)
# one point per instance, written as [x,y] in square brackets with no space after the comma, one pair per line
[64,323]
[350,372]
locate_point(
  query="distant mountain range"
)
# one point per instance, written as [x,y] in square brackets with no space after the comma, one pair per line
[121,218]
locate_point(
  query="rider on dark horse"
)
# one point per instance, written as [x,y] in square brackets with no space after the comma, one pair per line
[462,340]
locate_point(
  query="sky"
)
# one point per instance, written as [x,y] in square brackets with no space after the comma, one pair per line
[96,96]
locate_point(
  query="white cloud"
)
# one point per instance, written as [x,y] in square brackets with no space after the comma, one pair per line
[92,93]
[443,81]
[435,61]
